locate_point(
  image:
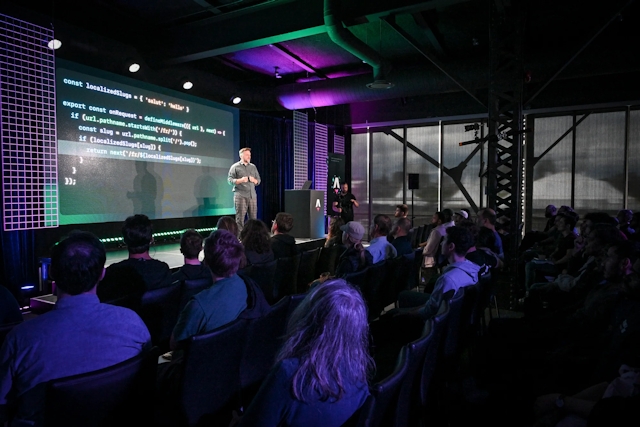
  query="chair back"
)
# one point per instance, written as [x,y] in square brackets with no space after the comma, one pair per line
[358,278]
[432,357]
[407,411]
[263,274]
[190,287]
[211,371]
[121,394]
[328,259]
[374,287]
[294,302]
[414,274]
[397,278]
[263,342]
[159,309]
[307,269]
[380,407]
[286,276]
[461,308]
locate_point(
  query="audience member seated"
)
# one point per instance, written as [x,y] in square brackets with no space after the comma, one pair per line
[334,237]
[487,218]
[283,245]
[402,240]
[320,376]
[401,211]
[257,245]
[480,253]
[558,259]
[432,245]
[379,247]
[223,301]
[460,216]
[355,257]
[9,307]
[80,335]
[138,273]
[190,247]
[228,223]
[459,273]
[624,222]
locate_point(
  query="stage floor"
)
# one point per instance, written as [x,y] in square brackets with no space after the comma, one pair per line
[170,253]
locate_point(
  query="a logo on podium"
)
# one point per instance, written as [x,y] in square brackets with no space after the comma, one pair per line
[318,205]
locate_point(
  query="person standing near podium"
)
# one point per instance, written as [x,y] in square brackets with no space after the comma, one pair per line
[344,203]
[244,177]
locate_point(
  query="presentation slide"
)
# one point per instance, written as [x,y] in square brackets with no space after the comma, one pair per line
[126,147]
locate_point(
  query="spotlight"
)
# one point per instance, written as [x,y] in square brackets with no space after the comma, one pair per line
[469,128]
[235,100]
[54,44]
[134,67]
[277,74]
[187,84]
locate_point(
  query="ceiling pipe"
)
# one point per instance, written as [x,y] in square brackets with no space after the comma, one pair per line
[346,40]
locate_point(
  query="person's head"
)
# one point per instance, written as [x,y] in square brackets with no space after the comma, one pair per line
[600,237]
[457,241]
[401,211]
[228,223]
[459,216]
[77,263]
[635,221]
[448,215]
[255,236]
[334,227]
[565,222]
[329,334]
[222,253]
[402,227]
[619,260]
[437,218]
[486,218]
[473,229]
[624,216]
[550,211]
[137,233]
[352,233]
[245,154]
[345,188]
[283,223]
[381,226]
[486,238]
[191,244]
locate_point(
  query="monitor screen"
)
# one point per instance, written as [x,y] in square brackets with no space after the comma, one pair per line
[127,147]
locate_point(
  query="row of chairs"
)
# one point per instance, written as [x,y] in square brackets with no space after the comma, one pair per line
[412,394]
[381,283]
[218,373]
[292,275]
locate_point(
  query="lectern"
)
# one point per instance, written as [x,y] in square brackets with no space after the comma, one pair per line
[307,208]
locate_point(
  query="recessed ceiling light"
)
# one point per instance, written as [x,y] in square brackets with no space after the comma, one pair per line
[187,85]
[54,44]
[134,67]
[235,100]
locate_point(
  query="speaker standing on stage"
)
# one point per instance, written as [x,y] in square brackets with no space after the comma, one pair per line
[244,177]
[344,203]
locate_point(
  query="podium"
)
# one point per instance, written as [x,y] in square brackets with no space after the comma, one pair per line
[307,208]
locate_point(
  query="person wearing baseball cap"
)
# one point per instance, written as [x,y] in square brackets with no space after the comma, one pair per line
[355,257]
[459,216]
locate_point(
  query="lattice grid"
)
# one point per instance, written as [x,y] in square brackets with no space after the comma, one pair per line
[300,149]
[320,159]
[28,131]
[338,144]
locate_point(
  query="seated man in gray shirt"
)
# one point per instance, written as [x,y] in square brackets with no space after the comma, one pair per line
[80,335]
[223,301]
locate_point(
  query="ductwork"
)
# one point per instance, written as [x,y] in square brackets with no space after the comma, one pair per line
[346,40]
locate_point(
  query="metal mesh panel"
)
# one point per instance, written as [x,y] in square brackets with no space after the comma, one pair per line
[633,201]
[300,149]
[320,159]
[552,174]
[599,181]
[452,156]
[425,203]
[338,144]
[359,187]
[387,176]
[29,147]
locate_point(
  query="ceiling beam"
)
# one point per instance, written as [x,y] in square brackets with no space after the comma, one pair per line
[430,30]
[276,22]
[296,60]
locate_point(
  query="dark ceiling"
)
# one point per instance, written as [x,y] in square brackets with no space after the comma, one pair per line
[231,47]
